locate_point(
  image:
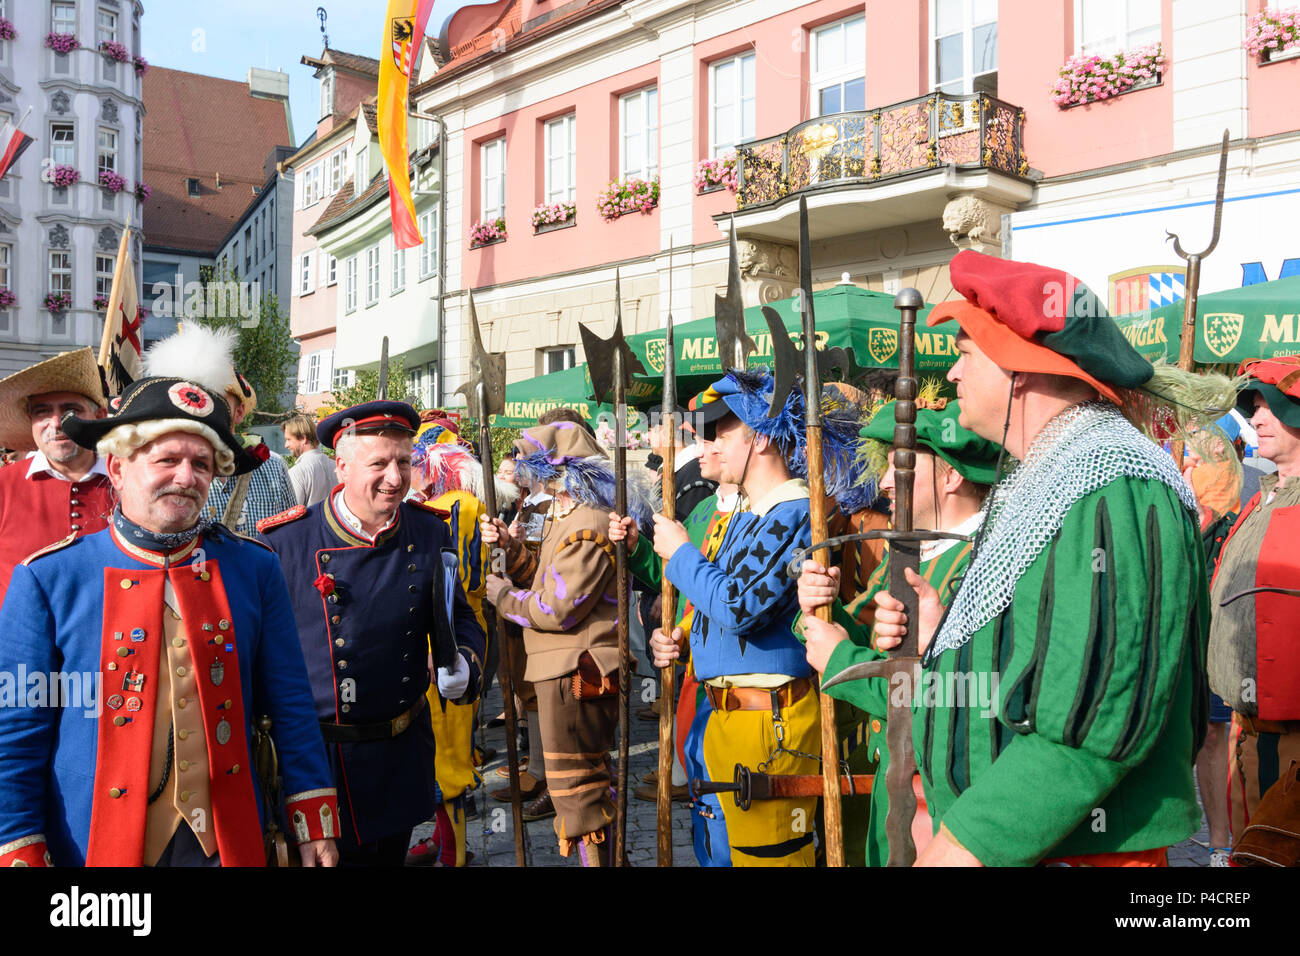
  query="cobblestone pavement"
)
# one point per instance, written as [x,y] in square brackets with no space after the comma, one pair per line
[495,847]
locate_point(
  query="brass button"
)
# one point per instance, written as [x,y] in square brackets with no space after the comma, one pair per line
[324,559]
[343,665]
[182,734]
[410,547]
[335,619]
[184,765]
[410,610]
[182,703]
[412,588]
[338,642]
[123,651]
[126,584]
[74,515]
[411,568]
[115,792]
[235,769]
[75,527]
[180,672]
[205,576]
[74,502]
[334,599]
[178,642]
[119,721]
[346,707]
[228,704]
[185,796]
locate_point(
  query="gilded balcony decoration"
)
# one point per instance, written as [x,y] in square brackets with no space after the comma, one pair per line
[869,145]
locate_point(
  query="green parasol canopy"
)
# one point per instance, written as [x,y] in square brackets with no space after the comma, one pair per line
[527,399]
[1255,321]
[864,322]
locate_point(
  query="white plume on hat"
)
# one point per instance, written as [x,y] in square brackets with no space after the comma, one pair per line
[195,353]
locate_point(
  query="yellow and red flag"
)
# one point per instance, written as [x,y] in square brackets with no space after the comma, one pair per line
[403,31]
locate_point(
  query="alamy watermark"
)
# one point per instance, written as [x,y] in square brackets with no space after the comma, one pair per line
[37,689]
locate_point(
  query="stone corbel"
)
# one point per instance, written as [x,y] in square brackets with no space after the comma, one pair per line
[769,271]
[974,223]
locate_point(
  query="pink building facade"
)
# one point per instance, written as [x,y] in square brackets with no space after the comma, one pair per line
[914,129]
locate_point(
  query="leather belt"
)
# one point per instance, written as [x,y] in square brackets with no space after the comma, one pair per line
[757,698]
[380,730]
[1254,726]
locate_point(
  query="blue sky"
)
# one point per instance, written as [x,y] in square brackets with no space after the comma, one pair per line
[226,38]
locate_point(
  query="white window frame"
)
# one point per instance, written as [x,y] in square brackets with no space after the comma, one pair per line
[327,94]
[429,249]
[103,35]
[331,271]
[305,264]
[641,109]
[102,150]
[104,274]
[399,271]
[1123,28]
[566,356]
[343,378]
[967,32]
[311,185]
[62,271]
[740,100]
[336,171]
[6,267]
[361,171]
[560,159]
[311,384]
[415,384]
[350,284]
[63,151]
[372,275]
[64,24]
[492,179]
[822,77]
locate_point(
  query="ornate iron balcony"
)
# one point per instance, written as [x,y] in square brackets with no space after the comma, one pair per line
[969,132]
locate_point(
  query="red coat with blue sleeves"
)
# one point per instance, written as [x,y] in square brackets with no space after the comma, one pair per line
[74,781]
[367,614]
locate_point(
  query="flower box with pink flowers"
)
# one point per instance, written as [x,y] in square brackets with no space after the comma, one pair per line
[550,216]
[7,30]
[7,297]
[627,195]
[712,175]
[487,232]
[111,181]
[1089,78]
[141,65]
[62,42]
[65,176]
[57,302]
[114,51]
[1273,35]
[142,191]
[101,302]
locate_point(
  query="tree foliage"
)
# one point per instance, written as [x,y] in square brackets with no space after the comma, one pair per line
[264,350]
[366,388]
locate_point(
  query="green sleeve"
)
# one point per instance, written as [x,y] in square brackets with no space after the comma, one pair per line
[1103,621]
[644,563]
[868,694]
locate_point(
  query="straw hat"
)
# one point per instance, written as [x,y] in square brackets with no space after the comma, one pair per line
[74,371]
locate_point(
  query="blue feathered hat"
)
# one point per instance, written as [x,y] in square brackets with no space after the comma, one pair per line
[565,457]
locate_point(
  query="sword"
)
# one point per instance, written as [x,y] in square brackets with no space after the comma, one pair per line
[750,785]
[611,364]
[785,377]
[668,594]
[1193,281]
[485,394]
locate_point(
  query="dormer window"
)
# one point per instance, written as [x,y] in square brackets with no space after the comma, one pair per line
[361,178]
[326,93]
[192,186]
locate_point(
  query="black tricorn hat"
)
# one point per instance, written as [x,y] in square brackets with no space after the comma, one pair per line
[187,405]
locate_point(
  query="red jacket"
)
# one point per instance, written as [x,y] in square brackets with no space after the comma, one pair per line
[1277,652]
[42,509]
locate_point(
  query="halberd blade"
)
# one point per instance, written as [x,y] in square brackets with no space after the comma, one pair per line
[734,343]
[600,351]
[486,367]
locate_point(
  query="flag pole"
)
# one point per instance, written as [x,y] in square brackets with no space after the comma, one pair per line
[114,297]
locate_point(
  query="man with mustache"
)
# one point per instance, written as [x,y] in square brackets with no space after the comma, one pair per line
[62,489]
[382,616]
[186,630]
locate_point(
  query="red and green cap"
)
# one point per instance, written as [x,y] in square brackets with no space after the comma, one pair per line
[1032,318]
[1277,381]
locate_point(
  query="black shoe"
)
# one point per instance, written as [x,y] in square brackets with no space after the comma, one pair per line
[485,755]
[471,807]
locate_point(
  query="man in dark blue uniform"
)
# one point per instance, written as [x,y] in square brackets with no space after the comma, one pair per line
[381,613]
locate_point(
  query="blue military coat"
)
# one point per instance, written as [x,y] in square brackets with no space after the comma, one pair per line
[73,611]
[367,615]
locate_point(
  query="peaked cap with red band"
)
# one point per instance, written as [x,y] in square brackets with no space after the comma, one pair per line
[1277,381]
[1032,318]
[377,416]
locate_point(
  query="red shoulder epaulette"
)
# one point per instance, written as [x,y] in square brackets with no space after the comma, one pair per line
[284,517]
[430,506]
[49,549]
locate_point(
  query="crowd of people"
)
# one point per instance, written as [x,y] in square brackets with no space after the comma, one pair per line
[1086,595]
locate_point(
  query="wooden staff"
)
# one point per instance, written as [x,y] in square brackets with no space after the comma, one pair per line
[667,593]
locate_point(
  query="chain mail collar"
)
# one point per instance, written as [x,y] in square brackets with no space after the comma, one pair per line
[1082,449]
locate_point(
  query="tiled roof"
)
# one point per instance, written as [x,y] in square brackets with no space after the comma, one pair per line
[345,204]
[354,61]
[204,127]
[371,110]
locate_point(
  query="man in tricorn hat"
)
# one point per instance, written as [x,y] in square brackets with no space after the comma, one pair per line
[1085,594]
[159,633]
[381,614]
[63,488]
[1254,664]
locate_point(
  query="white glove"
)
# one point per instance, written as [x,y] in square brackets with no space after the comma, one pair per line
[453,684]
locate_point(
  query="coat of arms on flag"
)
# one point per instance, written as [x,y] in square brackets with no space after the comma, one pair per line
[1222,331]
[1147,287]
[882,344]
[655,352]
[403,28]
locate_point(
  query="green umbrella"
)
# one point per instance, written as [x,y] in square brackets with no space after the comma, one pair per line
[865,323]
[1254,321]
[527,399]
